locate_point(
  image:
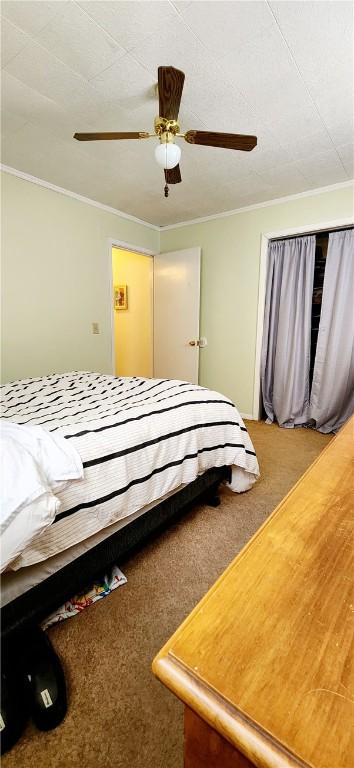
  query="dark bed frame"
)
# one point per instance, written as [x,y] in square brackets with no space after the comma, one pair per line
[34,605]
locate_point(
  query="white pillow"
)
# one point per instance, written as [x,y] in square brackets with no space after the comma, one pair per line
[28,505]
[27,525]
[56,456]
[34,462]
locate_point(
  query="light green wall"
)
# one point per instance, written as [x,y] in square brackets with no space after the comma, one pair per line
[230,278]
[55,273]
[55,276]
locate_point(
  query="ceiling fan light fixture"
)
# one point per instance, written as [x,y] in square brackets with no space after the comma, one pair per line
[167,154]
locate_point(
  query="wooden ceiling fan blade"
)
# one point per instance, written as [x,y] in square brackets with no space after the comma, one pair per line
[111,136]
[223,140]
[170,85]
[173,175]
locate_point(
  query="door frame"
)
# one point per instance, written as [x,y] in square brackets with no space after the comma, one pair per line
[322,226]
[114,243]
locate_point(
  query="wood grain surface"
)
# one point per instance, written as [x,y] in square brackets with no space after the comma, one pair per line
[173,175]
[205,748]
[223,140]
[112,136]
[170,87]
[266,657]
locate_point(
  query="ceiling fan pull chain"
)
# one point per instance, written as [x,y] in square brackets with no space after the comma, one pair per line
[165,189]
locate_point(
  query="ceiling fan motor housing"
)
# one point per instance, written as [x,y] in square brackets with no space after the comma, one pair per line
[166,129]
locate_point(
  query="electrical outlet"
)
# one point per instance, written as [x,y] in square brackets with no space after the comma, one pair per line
[95,328]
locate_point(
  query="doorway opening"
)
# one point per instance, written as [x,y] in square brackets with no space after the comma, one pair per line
[132,274]
[308,339]
[321,248]
[321,229]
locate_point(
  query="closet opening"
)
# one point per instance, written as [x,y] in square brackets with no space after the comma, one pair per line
[319,271]
[306,358]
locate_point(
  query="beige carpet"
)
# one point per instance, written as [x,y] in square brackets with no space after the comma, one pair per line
[119,715]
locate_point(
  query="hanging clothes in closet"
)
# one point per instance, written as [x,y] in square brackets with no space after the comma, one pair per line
[317,294]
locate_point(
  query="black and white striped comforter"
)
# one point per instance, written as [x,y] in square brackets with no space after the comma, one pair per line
[138,439]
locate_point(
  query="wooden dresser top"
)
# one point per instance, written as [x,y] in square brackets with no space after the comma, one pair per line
[266,656]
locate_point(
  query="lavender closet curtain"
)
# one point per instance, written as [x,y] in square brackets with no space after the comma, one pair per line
[285,359]
[332,395]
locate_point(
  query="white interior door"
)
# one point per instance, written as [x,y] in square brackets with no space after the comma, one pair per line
[176,315]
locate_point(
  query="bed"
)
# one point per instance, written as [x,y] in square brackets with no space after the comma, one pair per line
[148,449]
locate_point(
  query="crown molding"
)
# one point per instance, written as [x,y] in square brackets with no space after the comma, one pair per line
[80,198]
[255,206]
[200,220]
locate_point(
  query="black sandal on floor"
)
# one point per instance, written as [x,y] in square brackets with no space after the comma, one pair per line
[14,712]
[45,680]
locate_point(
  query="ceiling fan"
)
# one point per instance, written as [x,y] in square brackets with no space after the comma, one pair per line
[167,152]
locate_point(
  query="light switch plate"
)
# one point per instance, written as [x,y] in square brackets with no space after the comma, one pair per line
[95,328]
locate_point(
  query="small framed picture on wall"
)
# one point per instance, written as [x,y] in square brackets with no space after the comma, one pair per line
[120,297]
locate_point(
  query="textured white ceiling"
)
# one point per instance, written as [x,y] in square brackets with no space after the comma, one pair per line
[280,70]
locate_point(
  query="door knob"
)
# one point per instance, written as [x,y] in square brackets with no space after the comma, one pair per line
[201,343]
